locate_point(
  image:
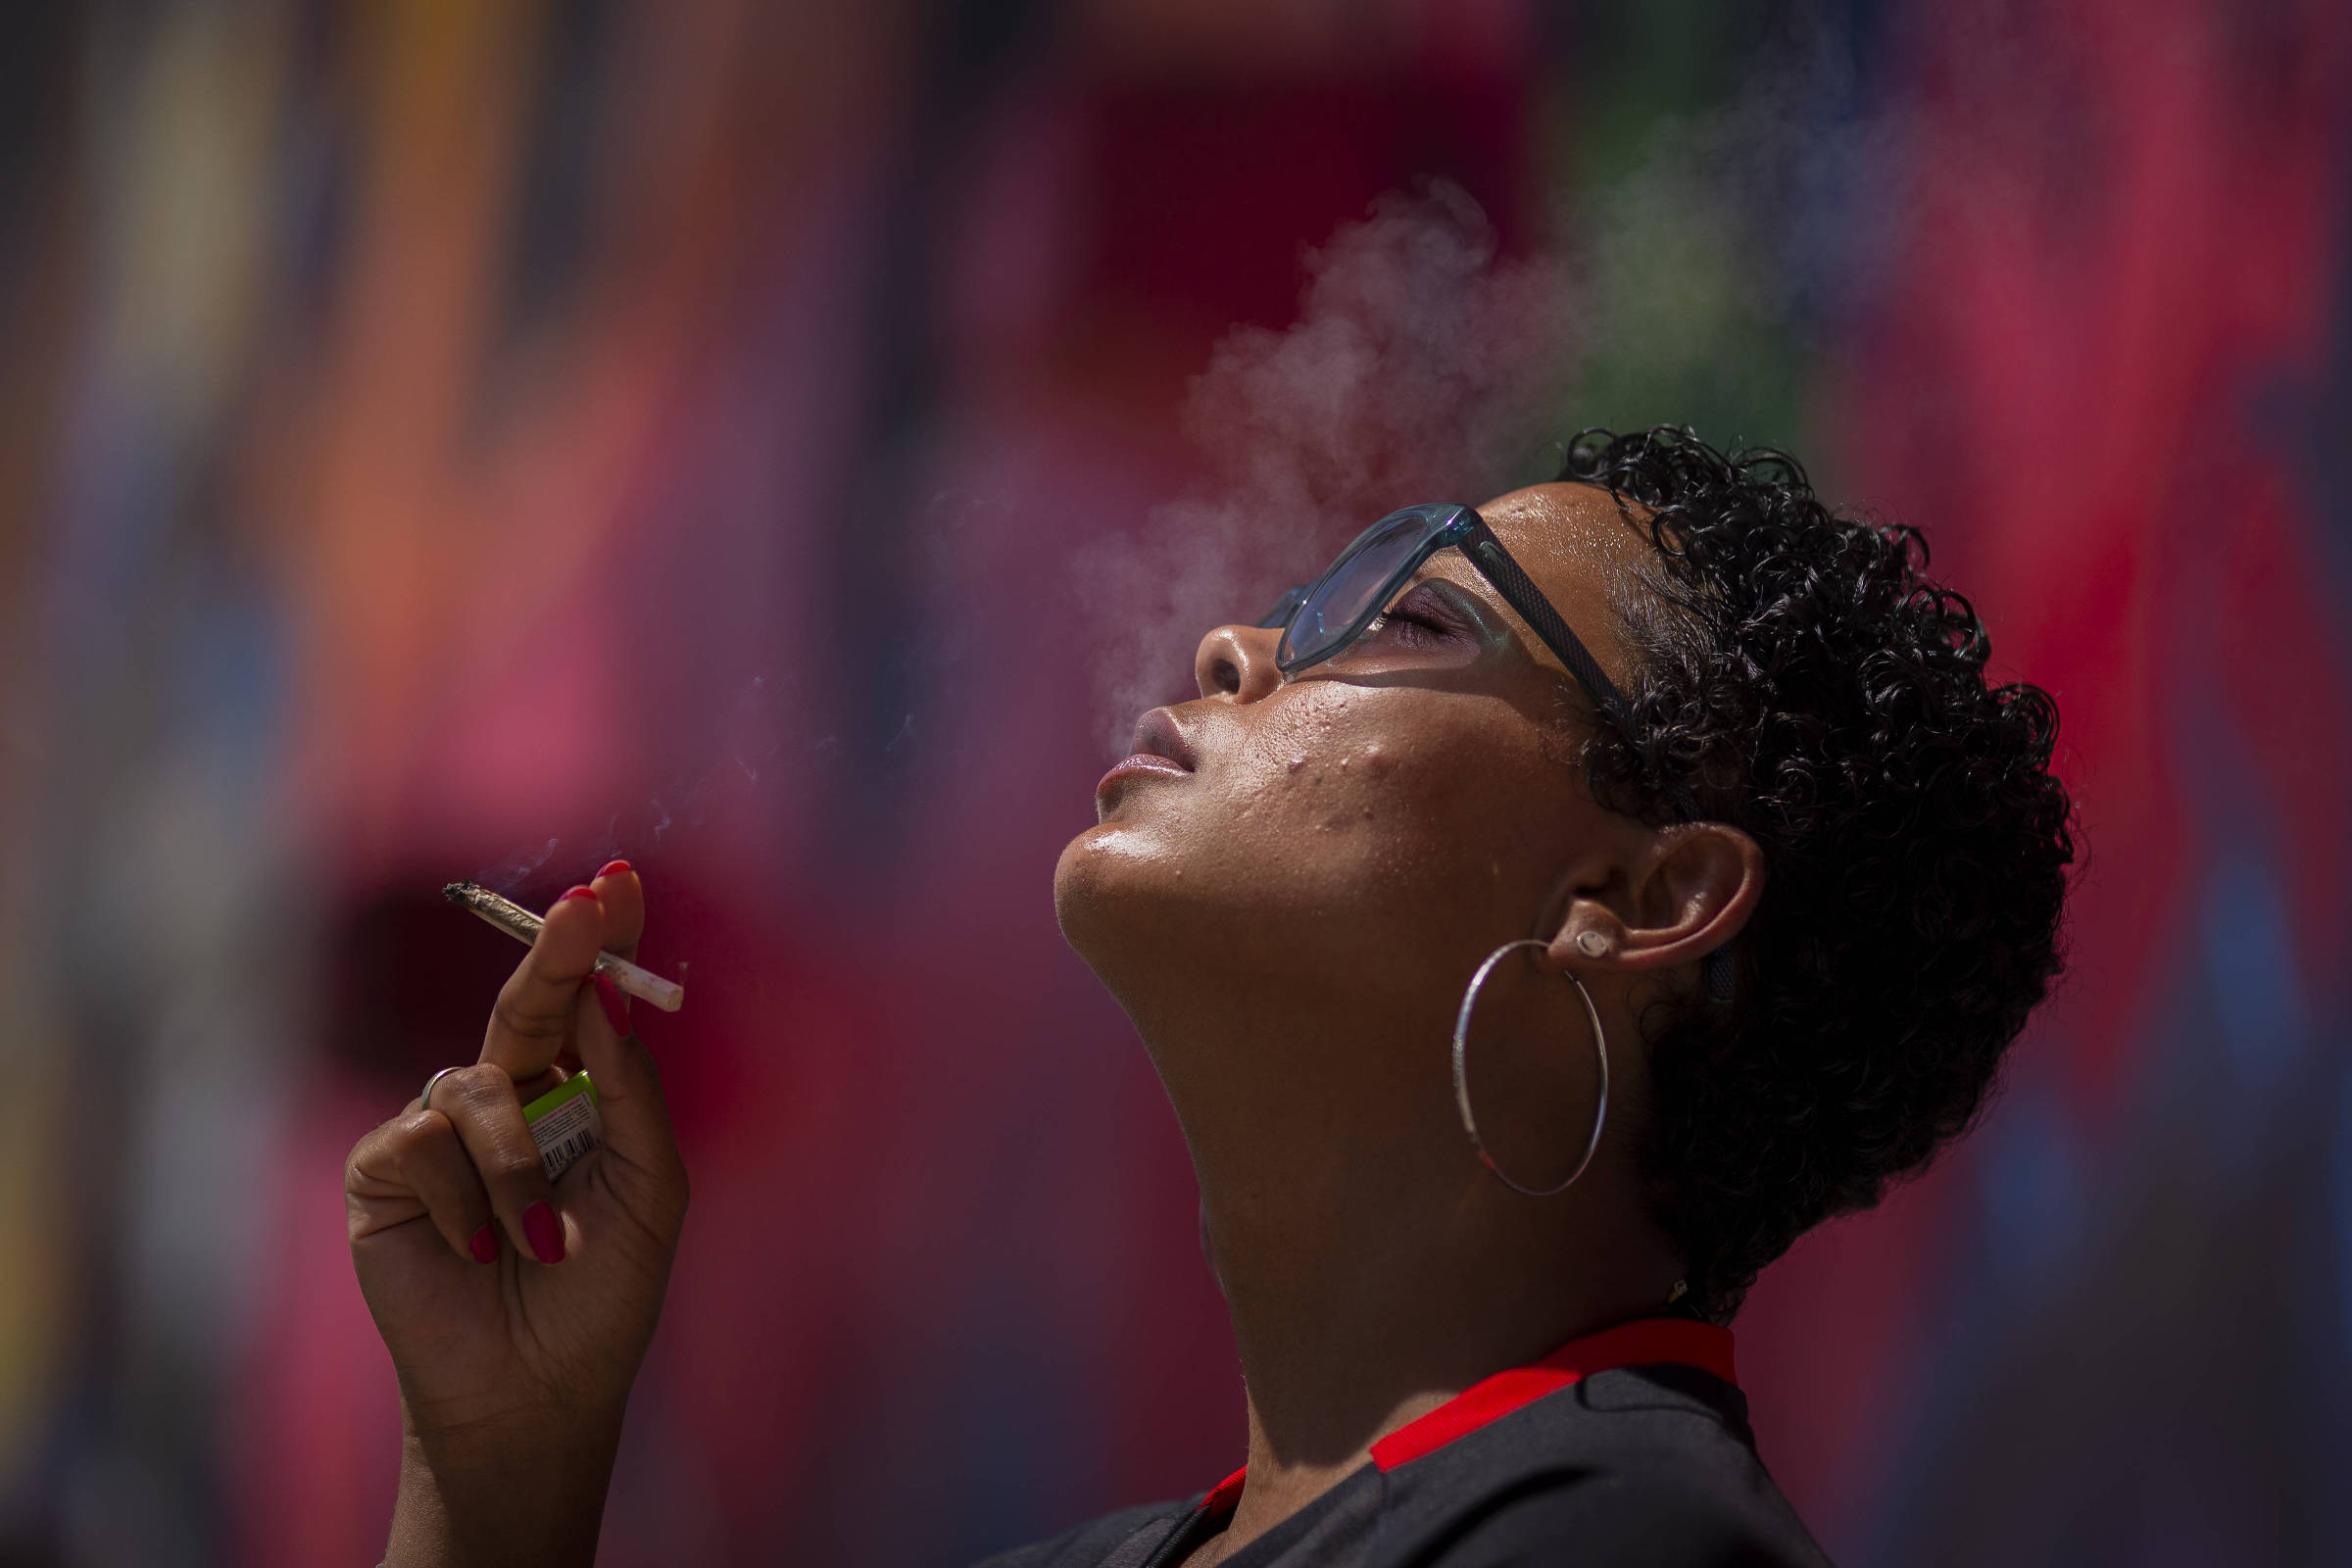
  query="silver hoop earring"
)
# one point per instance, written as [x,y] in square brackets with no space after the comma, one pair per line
[1461,1072]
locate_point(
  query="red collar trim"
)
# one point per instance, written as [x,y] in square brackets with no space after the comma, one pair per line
[1226,1494]
[1647,1342]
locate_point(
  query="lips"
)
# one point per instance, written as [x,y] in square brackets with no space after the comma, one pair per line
[1159,749]
[1156,736]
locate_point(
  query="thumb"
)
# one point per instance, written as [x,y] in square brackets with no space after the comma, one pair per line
[628,1086]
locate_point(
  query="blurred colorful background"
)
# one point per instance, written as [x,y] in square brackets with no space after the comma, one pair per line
[782,444]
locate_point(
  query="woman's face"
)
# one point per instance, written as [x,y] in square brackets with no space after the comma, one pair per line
[1354,838]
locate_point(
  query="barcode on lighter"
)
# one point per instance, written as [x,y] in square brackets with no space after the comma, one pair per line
[564,1124]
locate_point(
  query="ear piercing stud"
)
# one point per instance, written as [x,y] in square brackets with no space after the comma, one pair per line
[1591,943]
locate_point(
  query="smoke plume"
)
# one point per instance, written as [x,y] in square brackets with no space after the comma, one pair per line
[1424,366]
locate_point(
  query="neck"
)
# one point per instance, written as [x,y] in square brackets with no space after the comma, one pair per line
[1374,1269]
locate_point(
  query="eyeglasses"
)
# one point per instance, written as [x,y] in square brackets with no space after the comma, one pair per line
[1321,618]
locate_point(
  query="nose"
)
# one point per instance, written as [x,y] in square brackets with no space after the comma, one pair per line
[1238,662]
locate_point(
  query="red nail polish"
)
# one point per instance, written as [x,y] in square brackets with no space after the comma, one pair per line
[545,1232]
[613,868]
[484,1245]
[580,892]
[615,1004]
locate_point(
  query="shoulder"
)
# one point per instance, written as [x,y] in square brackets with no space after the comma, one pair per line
[1093,1543]
[1639,1466]
[1631,1521]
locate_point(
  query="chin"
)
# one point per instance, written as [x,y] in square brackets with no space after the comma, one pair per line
[1102,872]
[1129,902]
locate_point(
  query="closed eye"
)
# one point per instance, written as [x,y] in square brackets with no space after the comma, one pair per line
[1419,620]
[1412,632]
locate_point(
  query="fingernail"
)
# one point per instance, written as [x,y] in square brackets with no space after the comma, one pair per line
[545,1232]
[484,1245]
[580,892]
[616,1005]
[613,868]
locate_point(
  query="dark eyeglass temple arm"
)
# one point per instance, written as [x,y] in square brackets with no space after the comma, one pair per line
[1719,970]
[1537,610]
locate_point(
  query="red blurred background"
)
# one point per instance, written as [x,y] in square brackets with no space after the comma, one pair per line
[782,444]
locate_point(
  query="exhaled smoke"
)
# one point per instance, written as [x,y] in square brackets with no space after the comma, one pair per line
[510,872]
[746,754]
[1690,285]
[1424,366]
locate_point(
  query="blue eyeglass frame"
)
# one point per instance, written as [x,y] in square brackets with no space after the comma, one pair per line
[1421,532]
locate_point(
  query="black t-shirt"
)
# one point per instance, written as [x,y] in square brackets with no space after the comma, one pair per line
[1631,1446]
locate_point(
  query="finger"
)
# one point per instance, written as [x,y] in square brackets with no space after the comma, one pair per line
[628,1089]
[622,894]
[533,1016]
[415,1162]
[531,1089]
[480,1103]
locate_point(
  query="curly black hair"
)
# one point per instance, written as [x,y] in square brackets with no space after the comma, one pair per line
[1802,680]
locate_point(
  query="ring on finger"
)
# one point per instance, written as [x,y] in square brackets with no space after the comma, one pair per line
[425,1101]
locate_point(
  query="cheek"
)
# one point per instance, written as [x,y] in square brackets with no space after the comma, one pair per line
[1330,821]
[1384,799]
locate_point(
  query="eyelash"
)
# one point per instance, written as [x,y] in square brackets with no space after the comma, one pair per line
[1423,630]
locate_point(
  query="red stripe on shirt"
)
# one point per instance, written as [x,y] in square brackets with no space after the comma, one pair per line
[1650,1341]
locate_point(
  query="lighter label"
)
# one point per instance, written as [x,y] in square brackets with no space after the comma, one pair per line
[564,1123]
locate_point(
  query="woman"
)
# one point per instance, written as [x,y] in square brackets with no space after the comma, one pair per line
[1546,917]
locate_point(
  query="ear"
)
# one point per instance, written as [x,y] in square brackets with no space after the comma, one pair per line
[1685,894]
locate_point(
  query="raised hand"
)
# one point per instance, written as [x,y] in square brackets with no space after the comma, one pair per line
[516,1312]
